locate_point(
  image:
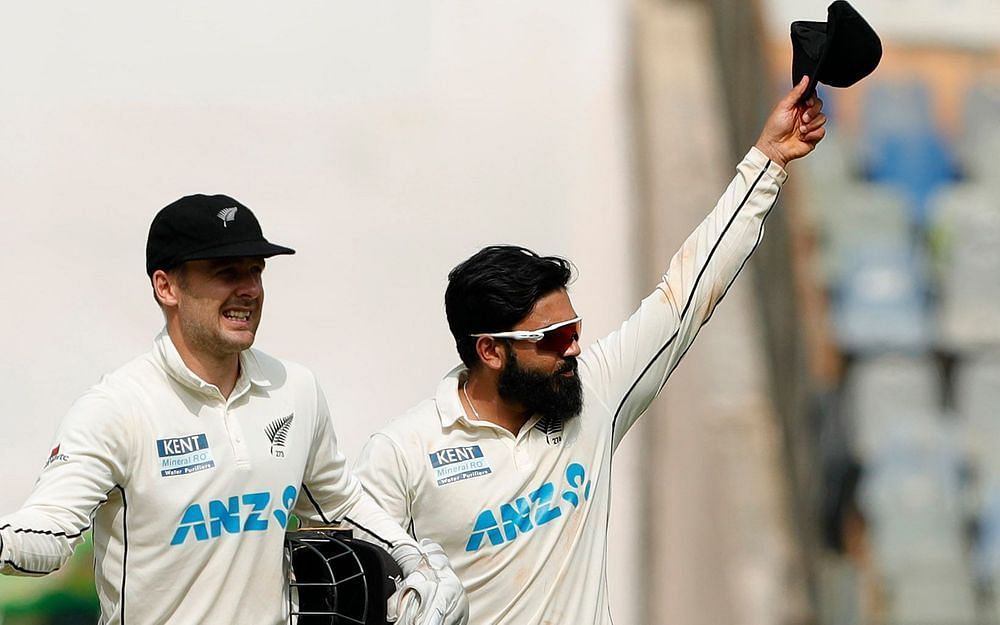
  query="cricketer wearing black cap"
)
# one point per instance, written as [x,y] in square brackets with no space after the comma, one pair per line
[205,258]
[189,461]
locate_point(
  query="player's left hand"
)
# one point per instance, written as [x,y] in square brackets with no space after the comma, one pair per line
[793,128]
[431,593]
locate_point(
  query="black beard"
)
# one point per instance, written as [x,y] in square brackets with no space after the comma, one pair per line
[553,396]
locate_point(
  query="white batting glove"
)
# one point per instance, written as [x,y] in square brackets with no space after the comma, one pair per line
[431,593]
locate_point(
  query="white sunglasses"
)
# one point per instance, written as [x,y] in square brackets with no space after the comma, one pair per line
[570,332]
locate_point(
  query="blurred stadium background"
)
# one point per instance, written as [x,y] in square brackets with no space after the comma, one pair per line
[825,454]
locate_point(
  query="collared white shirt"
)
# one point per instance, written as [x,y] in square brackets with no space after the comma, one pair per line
[188,492]
[524,517]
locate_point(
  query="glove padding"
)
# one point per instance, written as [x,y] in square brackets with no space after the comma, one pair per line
[431,593]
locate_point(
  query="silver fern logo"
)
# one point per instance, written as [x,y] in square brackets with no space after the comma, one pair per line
[277,433]
[227,215]
[551,428]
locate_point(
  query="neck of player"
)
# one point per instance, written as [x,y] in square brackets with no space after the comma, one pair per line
[481,401]
[219,370]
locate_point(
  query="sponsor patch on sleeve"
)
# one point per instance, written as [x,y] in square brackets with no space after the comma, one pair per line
[55,456]
[184,454]
[454,464]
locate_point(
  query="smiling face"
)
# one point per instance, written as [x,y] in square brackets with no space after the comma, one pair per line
[213,307]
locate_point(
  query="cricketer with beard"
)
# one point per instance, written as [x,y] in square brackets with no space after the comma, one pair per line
[508,466]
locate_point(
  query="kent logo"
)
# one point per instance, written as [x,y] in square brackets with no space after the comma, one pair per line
[455,464]
[455,454]
[184,454]
[524,514]
[182,445]
[250,512]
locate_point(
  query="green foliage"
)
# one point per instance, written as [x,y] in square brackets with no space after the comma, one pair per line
[66,597]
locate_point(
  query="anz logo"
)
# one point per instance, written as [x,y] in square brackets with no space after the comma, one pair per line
[250,512]
[526,513]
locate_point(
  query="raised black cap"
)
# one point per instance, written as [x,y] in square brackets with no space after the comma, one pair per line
[198,227]
[838,52]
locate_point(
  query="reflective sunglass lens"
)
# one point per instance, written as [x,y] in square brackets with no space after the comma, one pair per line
[560,339]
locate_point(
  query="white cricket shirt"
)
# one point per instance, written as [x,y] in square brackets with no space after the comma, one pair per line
[188,493]
[524,518]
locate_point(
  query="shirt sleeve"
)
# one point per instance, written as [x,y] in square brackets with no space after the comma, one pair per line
[90,459]
[384,475]
[332,495]
[628,368]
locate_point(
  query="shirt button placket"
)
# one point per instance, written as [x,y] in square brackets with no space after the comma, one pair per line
[521,457]
[236,438]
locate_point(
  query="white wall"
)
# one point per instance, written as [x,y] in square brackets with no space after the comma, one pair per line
[385,141]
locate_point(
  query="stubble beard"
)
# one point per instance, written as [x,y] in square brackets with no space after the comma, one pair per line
[213,342]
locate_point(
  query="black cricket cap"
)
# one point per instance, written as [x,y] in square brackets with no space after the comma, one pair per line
[199,227]
[838,52]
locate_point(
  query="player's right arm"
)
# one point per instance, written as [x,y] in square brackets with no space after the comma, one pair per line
[89,459]
[630,366]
